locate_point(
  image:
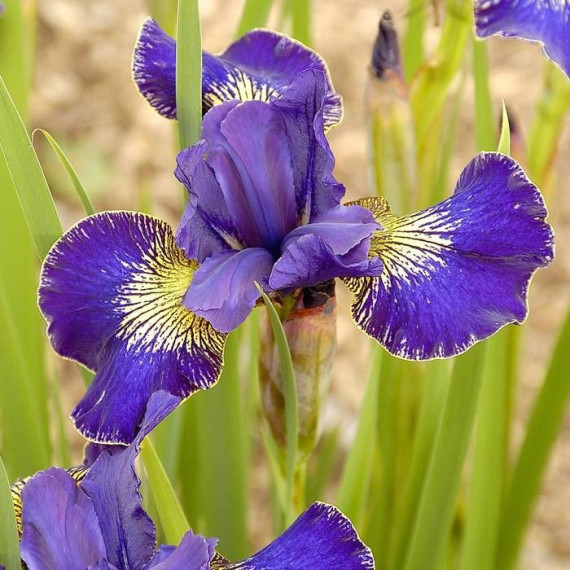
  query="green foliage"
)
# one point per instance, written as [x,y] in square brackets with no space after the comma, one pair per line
[9,547]
[172,518]
[188,73]
[291,405]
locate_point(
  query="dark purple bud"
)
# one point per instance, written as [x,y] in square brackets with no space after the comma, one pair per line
[386,52]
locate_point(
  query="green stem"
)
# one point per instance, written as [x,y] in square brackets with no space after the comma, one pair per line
[291,404]
[189,73]
[439,496]
[541,433]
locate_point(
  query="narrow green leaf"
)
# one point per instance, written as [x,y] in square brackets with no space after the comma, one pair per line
[357,473]
[397,408]
[61,447]
[505,138]
[81,193]
[189,73]
[413,49]
[9,546]
[301,21]
[164,12]
[548,124]
[541,432]
[23,400]
[439,496]
[167,438]
[485,492]
[436,378]
[321,465]
[170,512]
[290,394]
[221,449]
[484,121]
[441,184]
[254,15]
[430,89]
[27,176]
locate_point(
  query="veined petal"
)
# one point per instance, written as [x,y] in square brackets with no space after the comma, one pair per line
[321,538]
[60,527]
[193,553]
[111,290]
[303,111]
[457,272]
[259,66]
[334,245]
[206,226]
[254,171]
[345,229]
[223,290]
[544,21]
[113,487]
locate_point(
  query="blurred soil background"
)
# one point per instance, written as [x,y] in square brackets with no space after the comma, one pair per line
[124,153]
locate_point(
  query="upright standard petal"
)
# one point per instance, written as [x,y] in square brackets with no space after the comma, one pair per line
[60,527]
[223,290]
[113,487]
[457,272]
[303,110]
[111,290]
[259,66]
[321,538]
[544,21]
[254,171]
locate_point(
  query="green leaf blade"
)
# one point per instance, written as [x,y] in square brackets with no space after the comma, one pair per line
[27,175]
[9,545]
[189,73]
[170,512]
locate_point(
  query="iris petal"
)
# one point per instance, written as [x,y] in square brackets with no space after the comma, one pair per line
[60,527]
[321,538]
[223,290]
[334,245]
[194,553]
[457,272]
[254,172]
[544,21]
[206,227]
[304,110]
[260,66]
[111,290]
[113,487]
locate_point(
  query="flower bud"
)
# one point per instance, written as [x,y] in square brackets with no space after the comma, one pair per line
[311,334]
[390,122]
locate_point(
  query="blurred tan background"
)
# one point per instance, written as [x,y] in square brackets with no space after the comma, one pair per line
[124,153]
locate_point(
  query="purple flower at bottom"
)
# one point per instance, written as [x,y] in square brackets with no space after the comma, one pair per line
[260,66]
[544,21]
[123,298]
[100,523]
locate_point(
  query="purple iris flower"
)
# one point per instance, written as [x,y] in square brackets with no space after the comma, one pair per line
[123,298]
[100,523]
[544,21]
[261,65]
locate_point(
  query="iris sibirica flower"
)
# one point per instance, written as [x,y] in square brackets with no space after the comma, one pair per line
[99,523]
[544,21]
[261,65]
[150,314]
